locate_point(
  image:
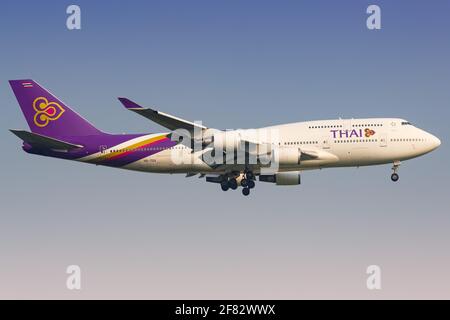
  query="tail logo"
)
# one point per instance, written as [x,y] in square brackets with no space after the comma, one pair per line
[46,111]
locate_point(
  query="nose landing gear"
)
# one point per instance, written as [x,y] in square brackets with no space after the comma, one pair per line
[394,175]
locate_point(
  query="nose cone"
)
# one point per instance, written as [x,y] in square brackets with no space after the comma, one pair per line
[434,142]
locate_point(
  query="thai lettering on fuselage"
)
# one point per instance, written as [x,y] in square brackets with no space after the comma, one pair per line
[354,133]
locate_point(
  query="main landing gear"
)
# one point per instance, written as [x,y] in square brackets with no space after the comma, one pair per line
[229,184]
[247,181]
[394,175]
[224,185]
[249,184]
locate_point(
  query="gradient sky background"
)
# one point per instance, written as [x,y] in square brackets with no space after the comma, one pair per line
[231,64]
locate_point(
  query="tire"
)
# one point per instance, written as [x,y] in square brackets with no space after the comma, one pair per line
[394,177]
[251,184]
[233,184]
[246,191]
[224,186]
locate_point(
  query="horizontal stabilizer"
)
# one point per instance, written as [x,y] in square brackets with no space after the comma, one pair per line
[41,141]
[164,119]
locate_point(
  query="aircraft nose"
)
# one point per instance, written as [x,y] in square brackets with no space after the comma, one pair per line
[435,142]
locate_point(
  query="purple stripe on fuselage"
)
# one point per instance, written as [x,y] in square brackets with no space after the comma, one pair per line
[139,153]
[93,144]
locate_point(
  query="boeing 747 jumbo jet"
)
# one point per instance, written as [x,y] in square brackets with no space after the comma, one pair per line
[230,158]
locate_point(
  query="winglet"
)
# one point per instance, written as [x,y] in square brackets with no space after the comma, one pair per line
[127,103]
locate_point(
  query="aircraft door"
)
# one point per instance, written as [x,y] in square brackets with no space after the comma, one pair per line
[325,142]
[383,140]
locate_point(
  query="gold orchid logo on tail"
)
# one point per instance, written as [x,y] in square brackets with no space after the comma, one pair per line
[46,111]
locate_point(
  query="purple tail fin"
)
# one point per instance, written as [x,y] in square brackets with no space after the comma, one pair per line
[46,114]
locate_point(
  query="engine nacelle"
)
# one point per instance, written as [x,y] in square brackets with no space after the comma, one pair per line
[287,156]
[290,178]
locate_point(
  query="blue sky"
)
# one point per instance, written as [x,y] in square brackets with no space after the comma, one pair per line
[231,64]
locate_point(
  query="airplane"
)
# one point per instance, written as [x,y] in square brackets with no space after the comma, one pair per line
[231,158]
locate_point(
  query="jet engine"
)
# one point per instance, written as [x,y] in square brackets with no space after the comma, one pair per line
[287,156]
[290,178]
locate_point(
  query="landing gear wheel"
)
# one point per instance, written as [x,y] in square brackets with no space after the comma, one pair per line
[251,184]
[224,185]
[249,175]
[232,183]
[394,176]
[244,182]
[246,191]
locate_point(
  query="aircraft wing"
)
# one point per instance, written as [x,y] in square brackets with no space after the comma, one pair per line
[164,119]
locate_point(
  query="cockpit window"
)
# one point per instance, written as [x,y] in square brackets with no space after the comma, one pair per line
[406,123]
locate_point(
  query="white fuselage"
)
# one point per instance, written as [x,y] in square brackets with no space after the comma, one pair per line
[337,143]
